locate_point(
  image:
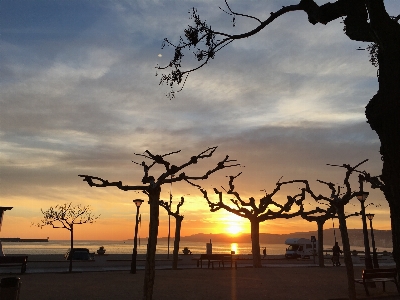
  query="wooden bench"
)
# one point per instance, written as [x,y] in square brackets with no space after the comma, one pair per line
[216,258]
[11,261]
[378,275]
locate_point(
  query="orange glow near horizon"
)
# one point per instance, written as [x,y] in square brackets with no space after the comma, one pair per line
[117,222]
[232,224]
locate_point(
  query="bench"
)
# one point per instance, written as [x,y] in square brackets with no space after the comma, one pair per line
[216,258]
[378,275]
[11,261]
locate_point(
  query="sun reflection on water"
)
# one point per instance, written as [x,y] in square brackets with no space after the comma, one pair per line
[234,247]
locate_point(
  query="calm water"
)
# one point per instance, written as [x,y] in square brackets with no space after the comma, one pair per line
[125,247]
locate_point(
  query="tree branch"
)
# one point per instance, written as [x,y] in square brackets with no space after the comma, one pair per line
[201,33]
[250,210]
[105,183]
[166,206]
[337,199]
[231,12]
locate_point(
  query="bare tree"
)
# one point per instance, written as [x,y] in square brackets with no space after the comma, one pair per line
[339,197]
[178,225]
[364,21]
[152,188]
[66,216]
[320,220]
[329,213]
[267,209]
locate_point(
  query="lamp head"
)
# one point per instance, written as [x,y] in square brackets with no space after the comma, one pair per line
[362,196]
[138,202]
[370,216]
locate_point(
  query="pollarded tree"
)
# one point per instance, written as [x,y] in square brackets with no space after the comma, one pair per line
[339,197]
[320,220]
[151,186]
[178,225]
[365,21]
[266,209]
[66,216]
[327,214]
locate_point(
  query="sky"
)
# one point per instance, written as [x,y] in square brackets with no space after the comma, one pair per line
[79,95]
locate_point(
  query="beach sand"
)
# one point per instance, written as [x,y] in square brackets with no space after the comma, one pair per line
[277,281]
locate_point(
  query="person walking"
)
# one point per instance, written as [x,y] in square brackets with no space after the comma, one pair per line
[335,255]
[265,252]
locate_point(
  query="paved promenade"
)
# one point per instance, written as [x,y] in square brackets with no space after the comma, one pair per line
[122,262]
[108,277]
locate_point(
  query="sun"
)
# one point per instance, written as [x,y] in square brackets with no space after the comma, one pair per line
[230,224]
[233,224]
[234,229]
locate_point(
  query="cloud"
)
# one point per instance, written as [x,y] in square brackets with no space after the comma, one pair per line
[80,96]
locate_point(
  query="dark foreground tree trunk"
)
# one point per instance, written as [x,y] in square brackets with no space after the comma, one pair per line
[347,254]
[255,243]
[177,239]
[154,198]
[72,247]
[395,211]
[392,194]
[388,130]
[383,111]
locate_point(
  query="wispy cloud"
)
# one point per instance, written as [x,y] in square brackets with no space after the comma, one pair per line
[79,95]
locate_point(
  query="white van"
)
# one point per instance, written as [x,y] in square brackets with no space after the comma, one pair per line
[299,247]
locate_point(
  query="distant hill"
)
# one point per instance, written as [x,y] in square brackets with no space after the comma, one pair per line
[383,238]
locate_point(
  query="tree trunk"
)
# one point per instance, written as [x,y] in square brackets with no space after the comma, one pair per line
[395,211]
[177,239]
[72,247]
[154,199]
[255,243]
[347,254]
[388,131]
[383,113]
[320,224]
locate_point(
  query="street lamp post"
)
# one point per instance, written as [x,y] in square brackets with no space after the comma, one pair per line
[2,210]
[362,196]
[374,254]
[169,222]
[138,202]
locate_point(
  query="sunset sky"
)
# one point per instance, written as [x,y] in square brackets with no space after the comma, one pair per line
[79,95]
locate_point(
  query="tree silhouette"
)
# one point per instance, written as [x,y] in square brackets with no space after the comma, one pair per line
[66,216]
[339,197]
[266,209]
[178,224]
[320,220]
[364,21]
[329,213]
[152,188]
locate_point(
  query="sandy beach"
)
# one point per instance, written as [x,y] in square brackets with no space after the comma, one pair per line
[278,279]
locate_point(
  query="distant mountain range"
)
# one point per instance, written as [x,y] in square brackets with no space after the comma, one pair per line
[383,238]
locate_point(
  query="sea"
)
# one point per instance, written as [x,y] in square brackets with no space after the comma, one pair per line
[126,246]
